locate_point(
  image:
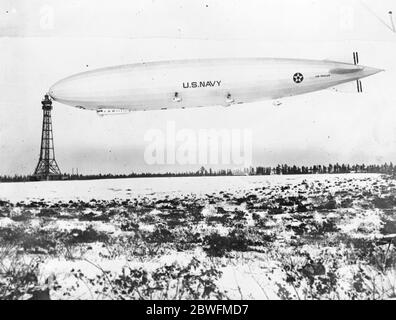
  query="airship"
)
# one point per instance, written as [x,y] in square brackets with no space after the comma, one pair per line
[163,85]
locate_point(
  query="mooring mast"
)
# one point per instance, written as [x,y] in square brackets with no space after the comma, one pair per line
[47,168]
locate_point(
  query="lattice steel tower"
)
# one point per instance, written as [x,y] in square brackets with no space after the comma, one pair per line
[47,168]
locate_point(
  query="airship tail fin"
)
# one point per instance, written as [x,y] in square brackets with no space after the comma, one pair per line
[355,58]
[348,87]
[351,86]
[340,57]
[345,58]
[358,82]
[359,86]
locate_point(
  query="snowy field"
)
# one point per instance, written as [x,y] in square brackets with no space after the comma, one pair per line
[53,191]
[248,237]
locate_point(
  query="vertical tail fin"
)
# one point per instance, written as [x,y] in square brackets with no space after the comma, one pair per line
[359,86]
[356,58]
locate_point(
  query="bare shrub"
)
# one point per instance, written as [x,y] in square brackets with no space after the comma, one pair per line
[170,282]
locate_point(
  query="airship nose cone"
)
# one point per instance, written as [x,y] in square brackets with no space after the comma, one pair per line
[55,91]
[71,90]
[52,93]
[62,90]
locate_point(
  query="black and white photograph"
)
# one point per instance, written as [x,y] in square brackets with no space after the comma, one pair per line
[202,150]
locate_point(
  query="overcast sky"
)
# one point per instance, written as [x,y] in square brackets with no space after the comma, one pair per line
[44,41]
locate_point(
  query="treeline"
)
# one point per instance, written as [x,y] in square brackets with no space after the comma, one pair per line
[331,168]
[258,171]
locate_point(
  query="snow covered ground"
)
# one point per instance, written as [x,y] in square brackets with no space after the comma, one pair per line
[126,188]
[257,237]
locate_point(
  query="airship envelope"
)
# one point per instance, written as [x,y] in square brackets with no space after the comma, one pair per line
[201,82]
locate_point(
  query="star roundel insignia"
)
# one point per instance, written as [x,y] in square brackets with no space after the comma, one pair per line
[298,77]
